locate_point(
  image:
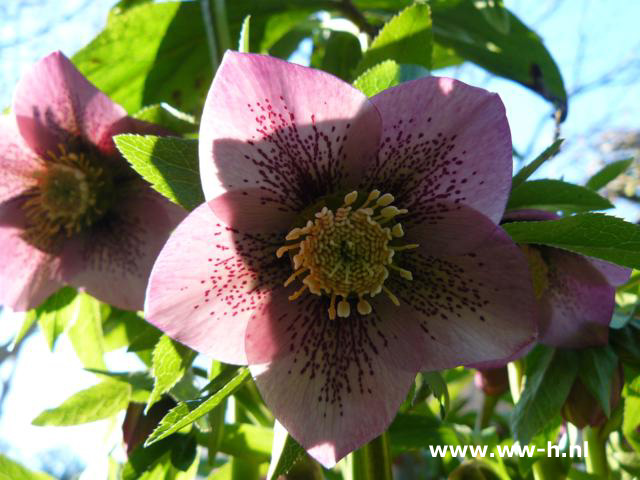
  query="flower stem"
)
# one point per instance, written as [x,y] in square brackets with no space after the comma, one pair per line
[371,462]
[597,452]
[516,375]
[242,469]
[489,403]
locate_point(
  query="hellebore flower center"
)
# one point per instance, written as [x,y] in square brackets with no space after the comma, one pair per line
[347,253]
[72,194]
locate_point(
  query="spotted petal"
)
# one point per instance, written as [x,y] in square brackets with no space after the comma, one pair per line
[289,133]
[54,102]
[578,303]
[474,307]
[115,256]
[17,162]
[28,275]
[207,282]
[443,140]
[334,385]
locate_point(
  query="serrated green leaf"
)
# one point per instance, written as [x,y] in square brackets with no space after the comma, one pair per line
[94,403]
[378,78]
[285,452]
[122,328]
[141,382]
[169,164]
[549,380]
[597,367]
[186,413]
[341,55]
[528,170]
[439,388]
[30,318]
[555,195]
[518,54]
[86,331]
[55,314]
[11,470]
[591,234]
[155,462]
[167,116]
[406,38]
[608,173]
[243,42]
[170,362]
[151,53]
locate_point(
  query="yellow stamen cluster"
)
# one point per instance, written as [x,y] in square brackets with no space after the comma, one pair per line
[67,198]
[347,253]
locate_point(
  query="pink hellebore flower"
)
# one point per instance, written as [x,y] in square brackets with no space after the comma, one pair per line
[346,244]
[576,294]
[72,211]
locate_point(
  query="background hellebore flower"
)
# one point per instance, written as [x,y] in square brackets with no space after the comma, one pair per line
[72,211]
[347,243]
[576,294]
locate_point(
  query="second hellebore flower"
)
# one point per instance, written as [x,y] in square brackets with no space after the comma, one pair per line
[72,211]
[346,244]
[576,294]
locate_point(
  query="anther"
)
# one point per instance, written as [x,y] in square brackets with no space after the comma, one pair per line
[364,307]
[385,200]
[350,198]
[344,309]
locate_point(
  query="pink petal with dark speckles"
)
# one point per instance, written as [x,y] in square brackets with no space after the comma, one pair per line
[443,140]
[115,257]
[578,305]
[207,282]
[17,162]
[289,133]
[333,384]
[54,101]
[473,307]
[28,276]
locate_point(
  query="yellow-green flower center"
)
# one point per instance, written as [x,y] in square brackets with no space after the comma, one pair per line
[348,253]
[70,195]
[538,269]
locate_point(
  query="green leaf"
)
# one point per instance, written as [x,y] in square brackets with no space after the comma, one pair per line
[550,375]
[284,454]
[406,38]
[631,419]
[244,441]
[528,170]
[55,314]
[243,43]
[157,461]
[591,234]
[94,403]
[11,470]
[597,368]
[608,173]
[341,55]
[30,318]
[169,164]
[170,362]
[165,115]
[376,79]
[517,54]
[86,332]
[186,413]
[141,382]
[121,328]
[555,195]
[438,387]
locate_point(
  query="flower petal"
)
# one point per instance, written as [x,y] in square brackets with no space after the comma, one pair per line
[116,255]
[288,132]
[615,274]
[578,303]
[28,275]
[17,162]
[474,307]
[207,281]
[334,384]
[443,140]
[54,101]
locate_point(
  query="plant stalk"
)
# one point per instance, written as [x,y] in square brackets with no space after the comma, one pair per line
[372,461]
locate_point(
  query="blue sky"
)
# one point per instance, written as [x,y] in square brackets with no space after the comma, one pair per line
[588,39]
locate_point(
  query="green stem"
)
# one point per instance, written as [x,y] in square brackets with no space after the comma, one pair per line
[211,34]
[242,469]
[489,403]
[597,452]
[222,26]
[372,461]
[516,375]
[546,469]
